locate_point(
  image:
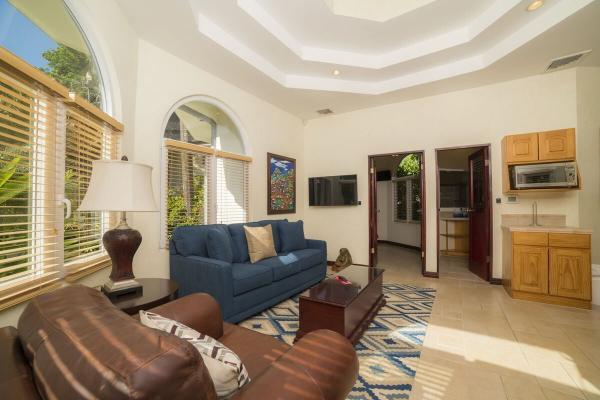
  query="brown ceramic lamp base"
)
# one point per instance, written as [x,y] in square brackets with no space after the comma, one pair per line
[121,243]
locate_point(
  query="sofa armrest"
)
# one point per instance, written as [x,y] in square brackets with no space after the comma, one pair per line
[319,245]
[199,311]
[321,365]
[199,274]
[16,377]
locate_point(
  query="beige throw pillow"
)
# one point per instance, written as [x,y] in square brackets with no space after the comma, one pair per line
[260,242]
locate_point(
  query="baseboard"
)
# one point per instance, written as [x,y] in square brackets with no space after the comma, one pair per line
[496,281]
[430,274]
[407,246]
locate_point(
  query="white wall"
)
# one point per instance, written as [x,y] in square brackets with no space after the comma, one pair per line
[470,117]
[163,80]
[588,151]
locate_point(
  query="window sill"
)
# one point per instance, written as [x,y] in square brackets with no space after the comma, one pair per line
[29,288]
[77,271]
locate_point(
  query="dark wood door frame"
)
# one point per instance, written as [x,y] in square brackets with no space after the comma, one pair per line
[490,199]
[373,206]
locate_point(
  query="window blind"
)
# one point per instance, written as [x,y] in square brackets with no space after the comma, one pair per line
[41,125]
[188,183]
[87,140]
[28,175]
[232,191]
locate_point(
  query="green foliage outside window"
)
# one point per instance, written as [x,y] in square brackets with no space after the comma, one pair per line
[185,208]
[76,71]
[410,165]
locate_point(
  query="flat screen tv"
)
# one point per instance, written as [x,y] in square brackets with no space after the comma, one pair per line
[332,191]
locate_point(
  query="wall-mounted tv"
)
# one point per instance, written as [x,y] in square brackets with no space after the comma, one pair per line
[333,191]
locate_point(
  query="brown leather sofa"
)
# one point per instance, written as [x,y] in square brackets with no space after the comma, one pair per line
[74,344]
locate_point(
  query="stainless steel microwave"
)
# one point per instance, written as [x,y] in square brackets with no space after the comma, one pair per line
[550,175]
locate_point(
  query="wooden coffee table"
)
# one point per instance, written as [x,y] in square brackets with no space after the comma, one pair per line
[346,309]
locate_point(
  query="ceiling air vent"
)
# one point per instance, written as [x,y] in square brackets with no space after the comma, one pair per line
[566,61]
[325,111]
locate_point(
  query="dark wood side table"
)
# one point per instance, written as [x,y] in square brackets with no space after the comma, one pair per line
[156,292]
[347,310]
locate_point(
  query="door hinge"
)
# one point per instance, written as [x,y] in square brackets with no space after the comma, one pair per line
[487,163]
[487,259]
[372,170]
[422,254]
[372,250]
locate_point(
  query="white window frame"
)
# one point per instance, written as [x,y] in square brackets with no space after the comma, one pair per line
[408,181]
[211,209]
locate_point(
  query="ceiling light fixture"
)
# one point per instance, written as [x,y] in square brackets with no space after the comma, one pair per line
[336,72]
[534,5]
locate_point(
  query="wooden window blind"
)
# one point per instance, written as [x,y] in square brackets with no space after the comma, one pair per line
[28,147]
[232,190]
[48,140]
[188,183]
[87,140]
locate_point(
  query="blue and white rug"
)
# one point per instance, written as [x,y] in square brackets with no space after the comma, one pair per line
[388,351]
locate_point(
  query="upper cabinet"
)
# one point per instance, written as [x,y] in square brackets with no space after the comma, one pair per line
[548,146]
[522,148]
[537,148]
[557,145]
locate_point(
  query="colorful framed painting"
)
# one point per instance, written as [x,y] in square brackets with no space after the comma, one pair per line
[281,184]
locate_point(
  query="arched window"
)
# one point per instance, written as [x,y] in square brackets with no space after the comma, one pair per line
[407,189]
[45,34]
[206,177]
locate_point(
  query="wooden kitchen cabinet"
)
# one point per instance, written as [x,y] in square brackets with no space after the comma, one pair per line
[521,148]
[530,269]
[557,145]
[550,266]
[570,273]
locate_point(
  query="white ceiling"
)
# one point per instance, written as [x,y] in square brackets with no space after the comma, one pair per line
[285,51]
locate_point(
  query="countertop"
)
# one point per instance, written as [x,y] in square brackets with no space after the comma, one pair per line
[556,229]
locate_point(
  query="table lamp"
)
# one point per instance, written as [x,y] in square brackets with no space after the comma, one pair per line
[120,185]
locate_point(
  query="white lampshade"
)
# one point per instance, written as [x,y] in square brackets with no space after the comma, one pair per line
[119,186]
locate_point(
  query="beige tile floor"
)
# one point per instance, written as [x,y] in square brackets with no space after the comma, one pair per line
[481,344]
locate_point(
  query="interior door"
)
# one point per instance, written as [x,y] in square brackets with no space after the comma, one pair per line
[372,213]
[479,213]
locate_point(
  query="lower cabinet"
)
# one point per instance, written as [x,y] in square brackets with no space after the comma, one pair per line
[530,269]
[570,273]
[553,268]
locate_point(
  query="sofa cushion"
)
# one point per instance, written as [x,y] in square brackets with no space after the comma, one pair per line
[247,277]
[260,242]
[227,371]
[240,244]
[275,227]
[307,258]
[218,245]
[282,265]
[191,240]
[292,236]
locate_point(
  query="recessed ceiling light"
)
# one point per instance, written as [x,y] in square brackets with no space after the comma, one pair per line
[534,5]
[336,72]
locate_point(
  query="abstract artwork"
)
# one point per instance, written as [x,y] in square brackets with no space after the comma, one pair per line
[281,184]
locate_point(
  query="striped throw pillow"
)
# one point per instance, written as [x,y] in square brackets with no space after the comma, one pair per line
[224,366]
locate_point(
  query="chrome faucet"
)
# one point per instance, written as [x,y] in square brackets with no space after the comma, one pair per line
[534,214]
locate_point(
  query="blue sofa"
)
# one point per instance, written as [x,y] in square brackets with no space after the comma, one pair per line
[241,288]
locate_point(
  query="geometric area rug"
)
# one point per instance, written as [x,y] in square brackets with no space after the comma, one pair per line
[390,348]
